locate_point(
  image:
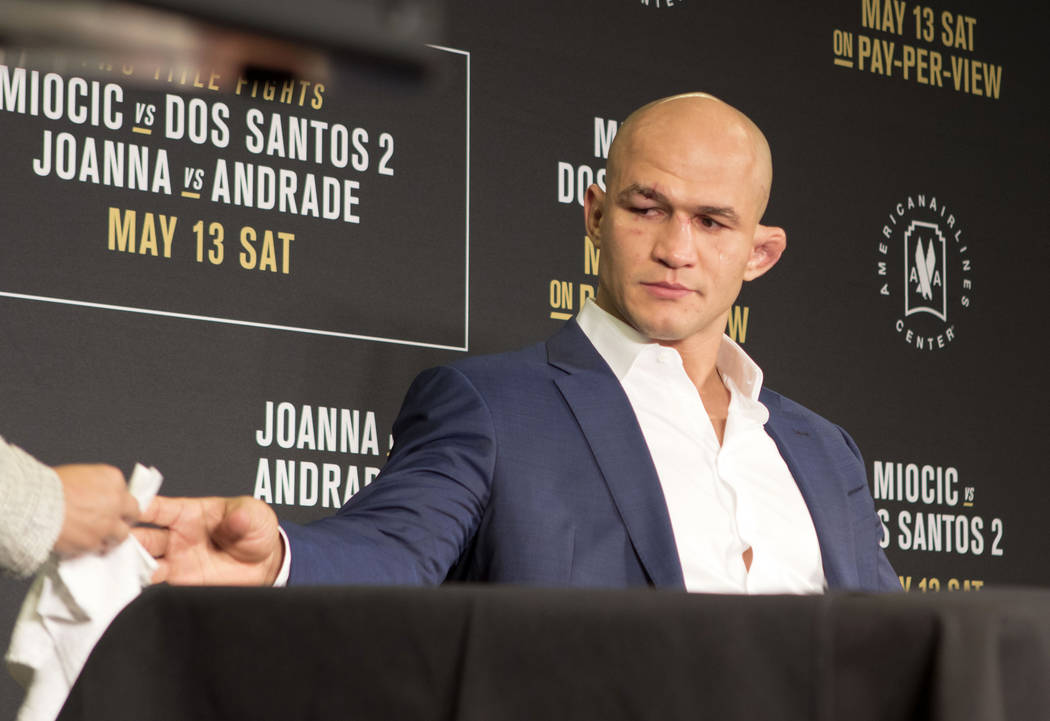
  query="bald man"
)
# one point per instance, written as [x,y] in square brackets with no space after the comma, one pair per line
[636,446]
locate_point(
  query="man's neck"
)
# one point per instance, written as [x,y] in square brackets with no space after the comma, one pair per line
[699,359]
[699,353]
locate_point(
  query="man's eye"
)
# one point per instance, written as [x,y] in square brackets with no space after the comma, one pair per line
[646,211]
[709,222]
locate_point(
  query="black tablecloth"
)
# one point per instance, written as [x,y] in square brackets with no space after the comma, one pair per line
[483,653]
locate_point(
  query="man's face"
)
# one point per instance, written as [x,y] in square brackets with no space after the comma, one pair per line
[678,227]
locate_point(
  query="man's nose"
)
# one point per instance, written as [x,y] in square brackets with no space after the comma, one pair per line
[675,245]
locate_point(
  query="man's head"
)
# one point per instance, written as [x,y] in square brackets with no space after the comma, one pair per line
[687,182]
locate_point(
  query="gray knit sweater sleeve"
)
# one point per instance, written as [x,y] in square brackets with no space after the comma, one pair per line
[32,507]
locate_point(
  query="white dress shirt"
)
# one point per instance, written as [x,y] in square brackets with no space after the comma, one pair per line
[722,499]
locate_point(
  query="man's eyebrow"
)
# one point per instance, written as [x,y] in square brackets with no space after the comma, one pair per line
[645,191]
[719,212]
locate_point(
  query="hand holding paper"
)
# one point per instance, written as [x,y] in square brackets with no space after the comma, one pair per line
[99,510]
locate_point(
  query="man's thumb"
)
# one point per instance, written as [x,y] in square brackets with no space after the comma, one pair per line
[236,523]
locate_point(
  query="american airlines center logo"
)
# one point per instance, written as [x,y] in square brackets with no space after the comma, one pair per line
[923,268]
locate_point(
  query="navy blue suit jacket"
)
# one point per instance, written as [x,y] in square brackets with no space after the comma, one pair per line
[529,467]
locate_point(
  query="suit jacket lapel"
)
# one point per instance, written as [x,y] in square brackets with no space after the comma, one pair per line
[801,448]
[605,415]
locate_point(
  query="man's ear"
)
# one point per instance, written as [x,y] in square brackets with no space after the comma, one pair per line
[769,245]
[593,210]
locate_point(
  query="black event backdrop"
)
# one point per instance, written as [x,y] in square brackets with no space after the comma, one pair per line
[443,218]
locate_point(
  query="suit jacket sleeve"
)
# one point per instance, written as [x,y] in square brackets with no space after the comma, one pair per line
[413,522]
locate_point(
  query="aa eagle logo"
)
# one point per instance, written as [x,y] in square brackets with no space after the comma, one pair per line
[926,270]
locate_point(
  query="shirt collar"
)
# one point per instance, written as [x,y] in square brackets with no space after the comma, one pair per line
[620,345]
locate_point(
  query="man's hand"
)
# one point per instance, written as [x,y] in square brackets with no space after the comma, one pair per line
[99,510]
[212,541]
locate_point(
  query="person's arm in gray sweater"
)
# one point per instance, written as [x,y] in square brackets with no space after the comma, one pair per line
[69,509]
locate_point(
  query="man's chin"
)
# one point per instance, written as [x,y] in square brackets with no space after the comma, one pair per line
[663,331]
[675,330]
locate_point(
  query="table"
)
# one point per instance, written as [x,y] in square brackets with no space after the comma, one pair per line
[468,653]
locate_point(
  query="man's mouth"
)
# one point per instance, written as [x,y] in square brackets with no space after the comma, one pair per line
[664,289]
